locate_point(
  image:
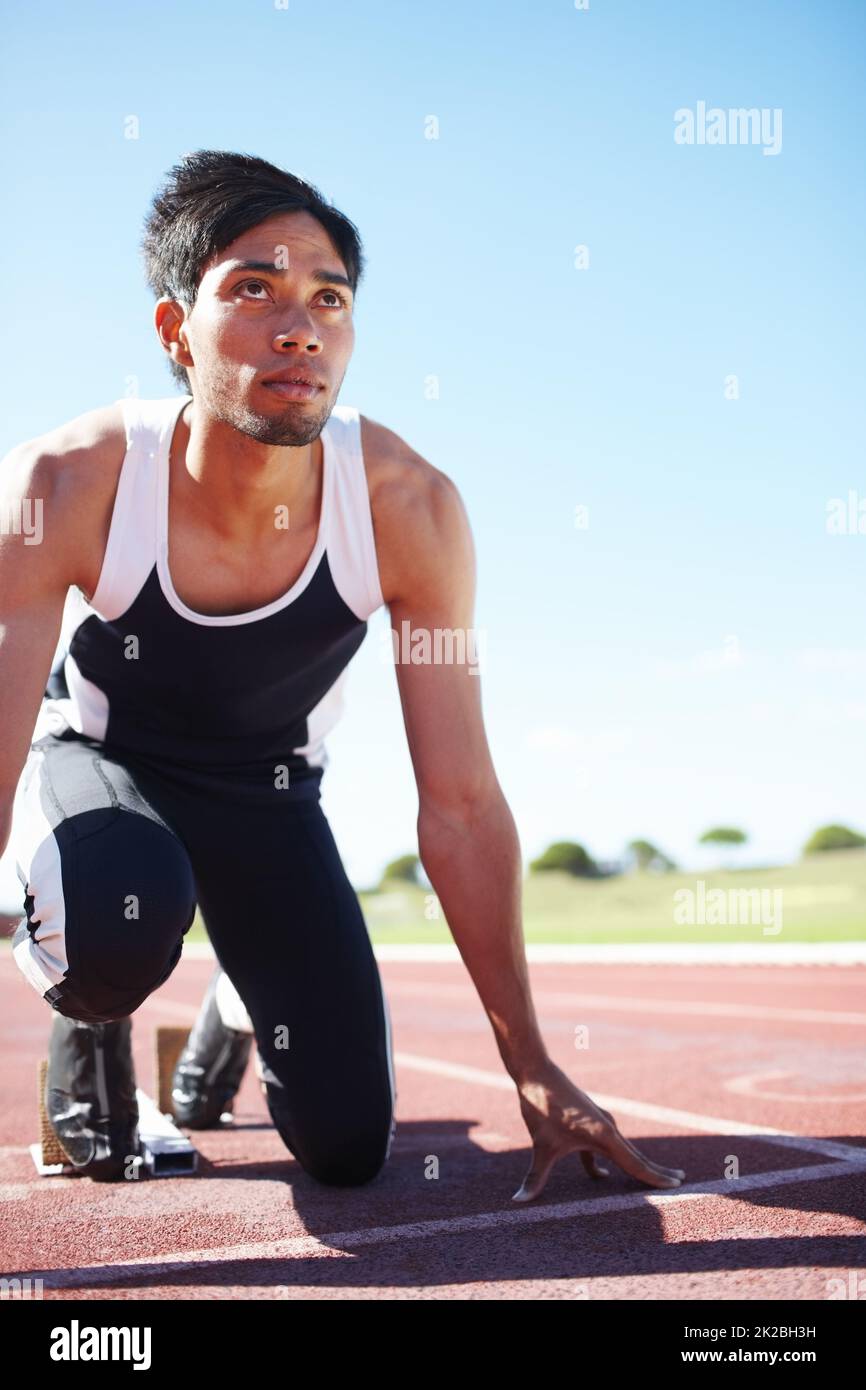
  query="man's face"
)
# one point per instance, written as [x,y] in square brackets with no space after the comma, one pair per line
[291,312]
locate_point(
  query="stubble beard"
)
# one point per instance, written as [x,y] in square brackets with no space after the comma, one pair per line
[296,424]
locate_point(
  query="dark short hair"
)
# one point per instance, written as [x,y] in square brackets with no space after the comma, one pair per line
[213,196]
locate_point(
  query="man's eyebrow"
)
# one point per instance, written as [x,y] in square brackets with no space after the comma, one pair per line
[331,277]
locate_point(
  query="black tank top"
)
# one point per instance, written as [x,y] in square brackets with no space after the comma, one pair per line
[240,702]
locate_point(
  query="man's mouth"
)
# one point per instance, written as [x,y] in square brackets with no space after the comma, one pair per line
[294,386]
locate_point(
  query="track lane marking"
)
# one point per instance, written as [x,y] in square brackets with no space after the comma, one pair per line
[646,1110]
[340,1244]
[621,1003]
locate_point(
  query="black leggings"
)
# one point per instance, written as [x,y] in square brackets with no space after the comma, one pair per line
[114,859]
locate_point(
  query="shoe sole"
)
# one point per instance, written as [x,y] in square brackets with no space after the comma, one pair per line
[165,1151]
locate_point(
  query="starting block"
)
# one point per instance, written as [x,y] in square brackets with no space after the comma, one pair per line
[170,1043]
[165,1151]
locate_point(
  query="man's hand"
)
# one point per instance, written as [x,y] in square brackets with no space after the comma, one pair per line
[562,1119]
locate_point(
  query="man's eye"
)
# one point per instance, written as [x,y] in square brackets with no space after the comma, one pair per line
[249,285]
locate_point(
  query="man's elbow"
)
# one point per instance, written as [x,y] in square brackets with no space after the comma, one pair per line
[457,812]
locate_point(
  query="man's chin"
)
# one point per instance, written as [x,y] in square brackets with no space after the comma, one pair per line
[291,423]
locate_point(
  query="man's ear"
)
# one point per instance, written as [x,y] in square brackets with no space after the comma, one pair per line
[169,317]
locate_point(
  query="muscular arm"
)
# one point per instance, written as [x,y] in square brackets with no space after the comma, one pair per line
[467,837]
[50,488]
[466,833]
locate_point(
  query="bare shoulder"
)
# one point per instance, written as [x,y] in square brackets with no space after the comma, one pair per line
[73,457]
[73,471]
[419,518]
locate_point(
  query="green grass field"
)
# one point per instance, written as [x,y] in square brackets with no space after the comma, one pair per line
[823,899]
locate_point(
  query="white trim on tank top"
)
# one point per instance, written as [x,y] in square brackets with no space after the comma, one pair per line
[133,546]
[351,542]
[162,519]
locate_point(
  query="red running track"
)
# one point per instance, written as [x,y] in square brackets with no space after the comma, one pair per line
[695,1062]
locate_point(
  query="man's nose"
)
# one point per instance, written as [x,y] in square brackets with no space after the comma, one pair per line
[302,340]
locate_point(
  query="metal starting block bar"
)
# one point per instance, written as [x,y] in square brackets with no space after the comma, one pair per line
[165,1151]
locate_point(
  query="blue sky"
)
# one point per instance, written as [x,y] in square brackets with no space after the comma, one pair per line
[695,655]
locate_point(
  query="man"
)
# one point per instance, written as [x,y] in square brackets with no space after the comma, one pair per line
[208,563]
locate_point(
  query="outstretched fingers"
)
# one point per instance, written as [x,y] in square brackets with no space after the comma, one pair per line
[578,1124]
[659,1167]
[615,1146]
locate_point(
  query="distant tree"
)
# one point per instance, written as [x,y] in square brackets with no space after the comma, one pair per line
[405,869]
[833,837]
[567,857]
[646,856]
[723,835]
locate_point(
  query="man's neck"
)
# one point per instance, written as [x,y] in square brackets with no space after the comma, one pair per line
[234,483]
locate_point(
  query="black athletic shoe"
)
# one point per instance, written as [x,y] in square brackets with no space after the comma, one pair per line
[90,1096]
[210,1068]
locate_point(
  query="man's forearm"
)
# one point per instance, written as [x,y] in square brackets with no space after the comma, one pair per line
[473,862]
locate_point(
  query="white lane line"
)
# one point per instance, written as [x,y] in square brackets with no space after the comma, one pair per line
[633,953]
[833,953]
[765,1012]
[645,1110]
[640,1003]
[340,1244]
[612,1003]
[702,953]
[754,1084]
